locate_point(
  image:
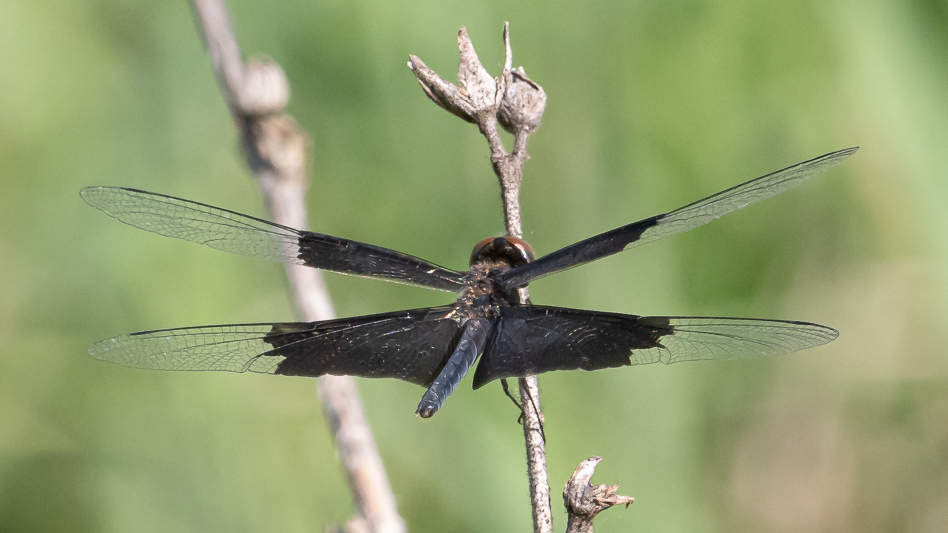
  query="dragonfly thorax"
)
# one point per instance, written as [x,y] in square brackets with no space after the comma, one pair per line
[492,256]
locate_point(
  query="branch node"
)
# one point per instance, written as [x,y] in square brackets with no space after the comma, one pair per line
[264,88]
[275,146]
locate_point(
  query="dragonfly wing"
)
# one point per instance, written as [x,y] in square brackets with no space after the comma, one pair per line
[240,234]
[680,220]
[530,340]
[412,346]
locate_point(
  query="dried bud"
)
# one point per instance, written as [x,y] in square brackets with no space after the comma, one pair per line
[523,103]
[478,91]
[517,101]
[441,92]
[480,87]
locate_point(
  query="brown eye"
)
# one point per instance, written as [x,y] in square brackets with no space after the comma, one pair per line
[525,249]
[479,247]
[509,251]
[485,249]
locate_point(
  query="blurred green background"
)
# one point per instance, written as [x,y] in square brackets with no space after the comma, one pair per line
[651,106]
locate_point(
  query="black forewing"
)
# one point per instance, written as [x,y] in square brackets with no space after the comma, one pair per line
[240,234]
[680,220]
[412,346]
[530,340]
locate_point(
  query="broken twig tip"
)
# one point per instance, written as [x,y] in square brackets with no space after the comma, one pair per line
[584,501]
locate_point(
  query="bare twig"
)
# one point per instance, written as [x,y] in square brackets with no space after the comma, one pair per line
[275,148]
[517,103]
[584,501]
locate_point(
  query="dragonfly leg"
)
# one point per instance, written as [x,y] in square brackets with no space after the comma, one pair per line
[506,387]
[536,408]
[503,385]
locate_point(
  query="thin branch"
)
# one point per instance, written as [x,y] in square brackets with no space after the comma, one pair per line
[536,455]
[275,148]
[584,501]
[517,104]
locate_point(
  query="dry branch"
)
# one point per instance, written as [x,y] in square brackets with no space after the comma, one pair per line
[517,104]
[275,148]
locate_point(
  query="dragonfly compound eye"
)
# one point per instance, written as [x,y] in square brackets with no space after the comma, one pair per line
[526,251]
[509,251]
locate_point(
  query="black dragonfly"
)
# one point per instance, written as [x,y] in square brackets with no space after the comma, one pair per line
[435,347]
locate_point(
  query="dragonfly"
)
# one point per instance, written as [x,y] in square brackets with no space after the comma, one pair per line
[435,347]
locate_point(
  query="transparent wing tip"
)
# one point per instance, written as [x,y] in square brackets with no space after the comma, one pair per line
[824,334]
[125,351]
[849,151]
[91,194]
[839,155]
[97,196]
[106,350]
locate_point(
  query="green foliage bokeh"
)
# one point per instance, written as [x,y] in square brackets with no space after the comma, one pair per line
[651,106]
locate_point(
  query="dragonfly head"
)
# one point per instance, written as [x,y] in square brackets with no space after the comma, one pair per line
[506,251]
